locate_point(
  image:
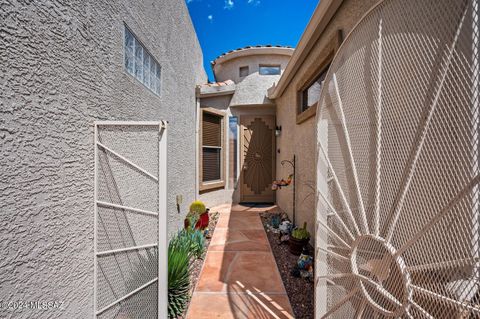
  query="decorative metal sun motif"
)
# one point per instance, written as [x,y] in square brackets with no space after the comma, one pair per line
[398,170]
[258,156]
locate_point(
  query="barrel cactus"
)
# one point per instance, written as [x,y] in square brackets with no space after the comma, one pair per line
[197,208]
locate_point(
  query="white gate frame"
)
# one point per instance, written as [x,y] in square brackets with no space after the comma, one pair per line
[162,244]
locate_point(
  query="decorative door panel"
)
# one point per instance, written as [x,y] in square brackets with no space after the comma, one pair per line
[258,158]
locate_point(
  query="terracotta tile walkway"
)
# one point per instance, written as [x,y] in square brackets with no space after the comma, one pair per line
[240,278]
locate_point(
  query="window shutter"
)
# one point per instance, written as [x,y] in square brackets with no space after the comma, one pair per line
[211,164]
[212,130]
[212,147]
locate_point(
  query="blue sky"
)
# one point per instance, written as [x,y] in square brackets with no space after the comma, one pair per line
[223,25]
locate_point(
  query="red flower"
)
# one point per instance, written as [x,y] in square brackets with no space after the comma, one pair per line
[202,222]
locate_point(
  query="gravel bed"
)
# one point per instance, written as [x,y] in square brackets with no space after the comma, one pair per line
[197,264]
[299,290]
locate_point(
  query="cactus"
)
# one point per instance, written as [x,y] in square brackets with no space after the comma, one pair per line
[197,208]
[301,233]
[179,258]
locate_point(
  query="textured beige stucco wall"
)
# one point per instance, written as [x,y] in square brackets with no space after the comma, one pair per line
[251,89]
[61,69]
[300,139]
[229,70]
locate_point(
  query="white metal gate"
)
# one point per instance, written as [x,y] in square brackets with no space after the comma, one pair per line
[130,279]
[398,166]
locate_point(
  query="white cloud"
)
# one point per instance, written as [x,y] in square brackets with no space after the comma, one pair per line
[229,4]
[210,17]
[254,2]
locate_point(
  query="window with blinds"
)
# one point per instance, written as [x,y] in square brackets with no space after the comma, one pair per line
[212,150]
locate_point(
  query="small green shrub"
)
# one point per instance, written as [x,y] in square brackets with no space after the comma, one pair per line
[195,241]
[179,256]
[187,244]
[301,233]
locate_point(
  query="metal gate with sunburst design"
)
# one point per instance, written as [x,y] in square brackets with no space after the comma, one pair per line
[130,267]
[398,166]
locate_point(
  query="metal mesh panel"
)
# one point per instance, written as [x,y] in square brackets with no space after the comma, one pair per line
[127,221]
[140,306]
[398,166]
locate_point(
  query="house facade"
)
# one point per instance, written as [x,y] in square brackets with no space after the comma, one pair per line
[123,62]
[387,177]
[296,96]
[237,152]
[64,66]
[289,98]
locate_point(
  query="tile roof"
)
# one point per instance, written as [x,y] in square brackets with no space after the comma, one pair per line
[217,84]
[250,47]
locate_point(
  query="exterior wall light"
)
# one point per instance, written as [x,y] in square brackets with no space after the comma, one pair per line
[278,130]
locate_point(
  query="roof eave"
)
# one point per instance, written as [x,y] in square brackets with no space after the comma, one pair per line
[204,92]
[317,24]
[273,50]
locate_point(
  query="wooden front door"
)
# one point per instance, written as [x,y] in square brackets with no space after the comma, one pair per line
[257,137]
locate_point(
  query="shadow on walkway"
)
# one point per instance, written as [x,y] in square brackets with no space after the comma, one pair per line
[240,278]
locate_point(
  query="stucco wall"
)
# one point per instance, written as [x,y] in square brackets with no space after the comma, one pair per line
[251,89]
[62,68]
[229,69]
[300,139]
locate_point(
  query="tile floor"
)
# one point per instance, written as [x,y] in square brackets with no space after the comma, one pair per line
[240,278]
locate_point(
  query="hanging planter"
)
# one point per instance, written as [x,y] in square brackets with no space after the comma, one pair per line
[282,183]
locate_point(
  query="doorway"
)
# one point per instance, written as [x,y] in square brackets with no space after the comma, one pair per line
[257,145]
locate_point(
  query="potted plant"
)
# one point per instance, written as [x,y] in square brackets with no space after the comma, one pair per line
[298,239]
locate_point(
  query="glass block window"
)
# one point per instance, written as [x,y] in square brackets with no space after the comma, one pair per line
[269,69]
[140,63]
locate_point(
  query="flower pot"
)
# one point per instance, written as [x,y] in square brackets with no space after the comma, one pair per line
[295,246]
